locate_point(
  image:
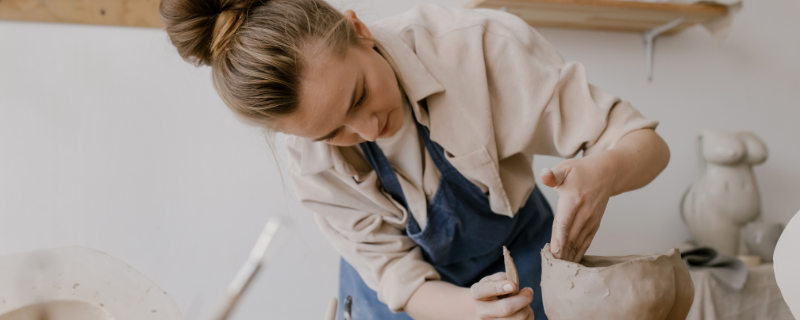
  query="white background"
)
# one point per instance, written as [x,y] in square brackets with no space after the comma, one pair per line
[109,140]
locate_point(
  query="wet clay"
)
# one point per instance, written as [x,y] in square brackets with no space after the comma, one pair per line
[511,269]
[640,287]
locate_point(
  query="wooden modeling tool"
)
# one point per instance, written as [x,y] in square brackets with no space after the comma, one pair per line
[511,270]
[248,272]
[332,306]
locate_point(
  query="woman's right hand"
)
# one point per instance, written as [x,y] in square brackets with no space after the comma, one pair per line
[489,305]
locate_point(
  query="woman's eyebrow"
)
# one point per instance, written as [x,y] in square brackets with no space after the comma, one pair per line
[349,108]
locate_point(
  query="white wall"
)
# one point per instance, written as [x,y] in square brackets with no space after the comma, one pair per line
[109,140]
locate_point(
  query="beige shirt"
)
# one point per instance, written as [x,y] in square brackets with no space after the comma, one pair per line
[493,93]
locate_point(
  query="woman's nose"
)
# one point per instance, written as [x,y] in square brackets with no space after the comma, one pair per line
[366,126]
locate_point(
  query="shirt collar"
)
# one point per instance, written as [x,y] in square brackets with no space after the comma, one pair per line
[412,74]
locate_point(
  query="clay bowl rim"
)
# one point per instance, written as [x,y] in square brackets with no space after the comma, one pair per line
[639,259]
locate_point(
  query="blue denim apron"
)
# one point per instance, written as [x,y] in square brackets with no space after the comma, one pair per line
[462,239]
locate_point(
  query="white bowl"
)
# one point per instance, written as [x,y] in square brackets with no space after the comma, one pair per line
[76,283]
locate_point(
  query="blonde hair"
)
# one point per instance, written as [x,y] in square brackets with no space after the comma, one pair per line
[254,47]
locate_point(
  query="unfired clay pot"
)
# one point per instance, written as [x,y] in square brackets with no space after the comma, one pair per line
[725,197]
[654,287]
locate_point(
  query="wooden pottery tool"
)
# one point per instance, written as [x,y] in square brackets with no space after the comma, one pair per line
[248,271]
[332,306]
[511,271]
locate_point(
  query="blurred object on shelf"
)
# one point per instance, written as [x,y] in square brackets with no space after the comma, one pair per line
[729,271]
[750,261]
[787,264]
[760,238]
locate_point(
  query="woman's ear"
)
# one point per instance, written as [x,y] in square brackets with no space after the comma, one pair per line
[359,27]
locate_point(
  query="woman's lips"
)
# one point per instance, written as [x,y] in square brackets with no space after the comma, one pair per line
[385,126]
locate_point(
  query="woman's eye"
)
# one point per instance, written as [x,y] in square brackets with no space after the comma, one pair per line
[335,133]
[363,96]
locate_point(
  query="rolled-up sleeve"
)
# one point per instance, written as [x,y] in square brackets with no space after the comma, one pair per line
[542,104]
[366,228]
[582,117]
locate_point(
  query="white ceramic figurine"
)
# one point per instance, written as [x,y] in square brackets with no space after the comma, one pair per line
[725,197]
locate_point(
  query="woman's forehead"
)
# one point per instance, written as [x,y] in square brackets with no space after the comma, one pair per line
[326,89]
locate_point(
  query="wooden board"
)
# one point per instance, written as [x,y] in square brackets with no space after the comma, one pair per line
[134,13]
[611,15]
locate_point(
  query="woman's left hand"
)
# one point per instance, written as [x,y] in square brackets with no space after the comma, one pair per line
[583,189]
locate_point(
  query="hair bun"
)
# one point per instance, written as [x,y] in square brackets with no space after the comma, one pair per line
[201,29]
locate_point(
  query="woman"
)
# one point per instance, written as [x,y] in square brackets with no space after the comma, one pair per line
[412,140]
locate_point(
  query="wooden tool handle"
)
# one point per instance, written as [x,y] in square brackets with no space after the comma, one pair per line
[511,269]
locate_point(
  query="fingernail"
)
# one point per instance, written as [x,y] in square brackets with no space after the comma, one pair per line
[555,250]
[508,287]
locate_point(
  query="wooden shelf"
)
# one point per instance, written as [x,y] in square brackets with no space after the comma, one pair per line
[133,13]
[614,15]
[610,15]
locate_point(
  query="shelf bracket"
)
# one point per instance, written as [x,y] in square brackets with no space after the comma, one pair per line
[650,39]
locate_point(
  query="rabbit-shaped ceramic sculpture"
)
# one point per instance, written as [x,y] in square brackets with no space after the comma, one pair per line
[725,196]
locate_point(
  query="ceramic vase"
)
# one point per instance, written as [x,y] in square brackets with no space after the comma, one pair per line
[725,197]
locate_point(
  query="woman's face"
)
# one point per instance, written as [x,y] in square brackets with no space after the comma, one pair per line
[346,100]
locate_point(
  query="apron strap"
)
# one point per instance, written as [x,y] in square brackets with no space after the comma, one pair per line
[436,151]
[386,175]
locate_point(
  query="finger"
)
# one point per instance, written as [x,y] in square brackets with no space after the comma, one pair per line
[495,277]
[505,307]
[491,289]
[586,243]
[548,178]
[565,215]
[500,276]
[530,314]
[575,245]
[525,313]
[553,177]
[582,225]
